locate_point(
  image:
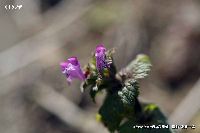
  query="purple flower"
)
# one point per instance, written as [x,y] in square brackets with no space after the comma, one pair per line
[100,55]
[71,68]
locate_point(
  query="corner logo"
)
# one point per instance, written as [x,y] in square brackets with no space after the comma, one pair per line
[13,7]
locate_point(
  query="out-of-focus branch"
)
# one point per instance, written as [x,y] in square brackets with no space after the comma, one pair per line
[188,107]
[38,45]
[69,113]
[30,19]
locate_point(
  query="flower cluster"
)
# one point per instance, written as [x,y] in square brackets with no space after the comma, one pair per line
[72,69]
[121,107]
[100,55]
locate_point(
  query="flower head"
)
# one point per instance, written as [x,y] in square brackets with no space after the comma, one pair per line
[100,55]
[71,69]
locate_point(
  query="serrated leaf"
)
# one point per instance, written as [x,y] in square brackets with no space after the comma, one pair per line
[140,67]
[129,92]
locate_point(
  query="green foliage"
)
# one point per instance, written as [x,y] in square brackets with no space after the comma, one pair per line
[112,112]
[97,82]
[154,115]
[140,67]
[151,116]
[129,92]
[121,110]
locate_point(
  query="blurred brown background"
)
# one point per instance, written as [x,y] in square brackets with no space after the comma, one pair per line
[34,95]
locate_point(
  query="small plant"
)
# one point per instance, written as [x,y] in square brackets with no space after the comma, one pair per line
[121,110]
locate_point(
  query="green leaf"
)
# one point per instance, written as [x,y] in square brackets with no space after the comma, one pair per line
[130,127]
[151,116]
[155,116]
[112,112]
[140,67]
[129,92]
[127,127]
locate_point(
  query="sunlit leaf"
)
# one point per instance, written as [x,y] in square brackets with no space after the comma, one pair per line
[140,67]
